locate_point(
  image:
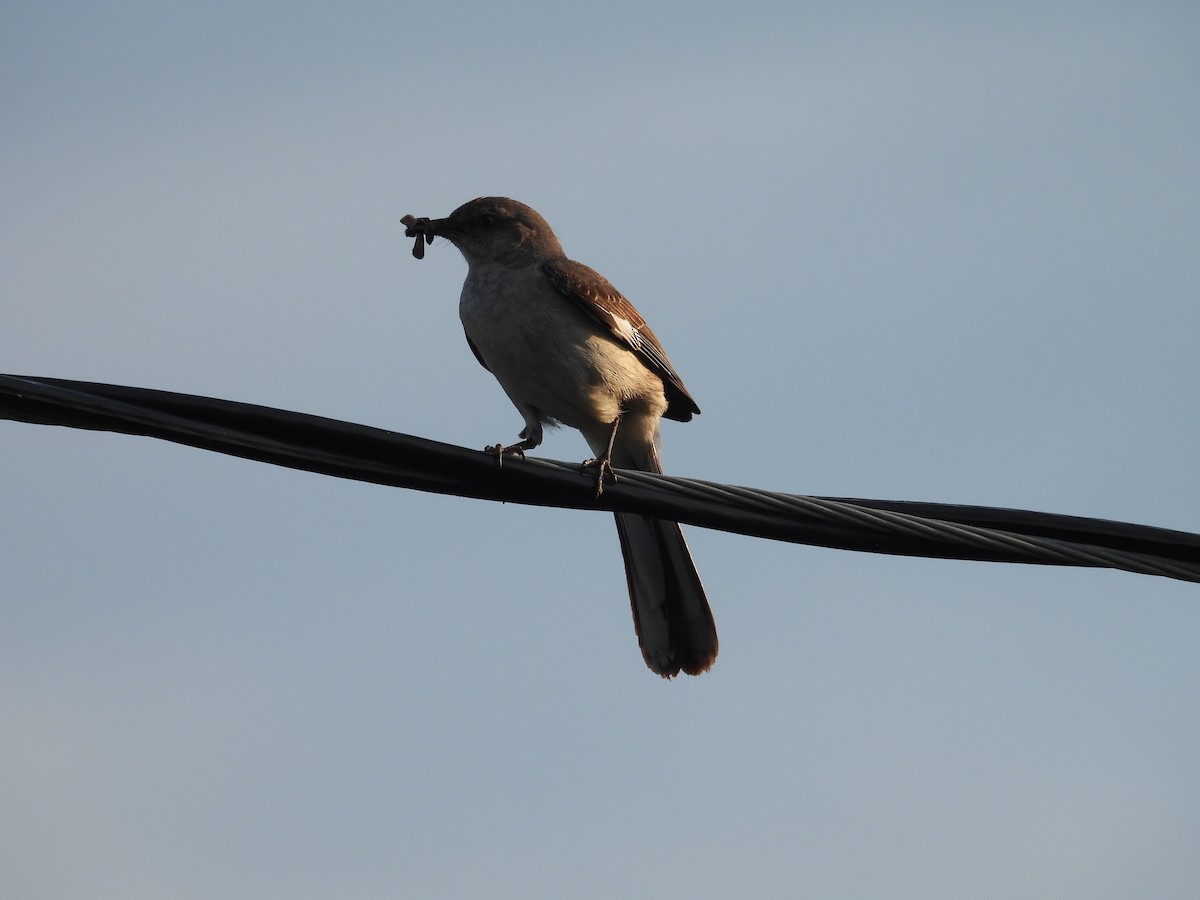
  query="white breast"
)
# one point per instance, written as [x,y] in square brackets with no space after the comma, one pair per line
[549,354]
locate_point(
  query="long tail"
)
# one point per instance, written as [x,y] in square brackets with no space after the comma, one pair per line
[671,615]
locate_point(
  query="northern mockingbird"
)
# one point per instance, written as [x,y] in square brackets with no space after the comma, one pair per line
[568,349]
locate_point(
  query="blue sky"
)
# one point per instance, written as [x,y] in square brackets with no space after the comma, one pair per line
[933,252]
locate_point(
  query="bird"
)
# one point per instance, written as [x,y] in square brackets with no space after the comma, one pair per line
[569,349]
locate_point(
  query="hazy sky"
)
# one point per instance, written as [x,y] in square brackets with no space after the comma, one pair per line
[928,252]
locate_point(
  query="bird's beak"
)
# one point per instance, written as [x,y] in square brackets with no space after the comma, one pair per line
[440,227]
[415,225]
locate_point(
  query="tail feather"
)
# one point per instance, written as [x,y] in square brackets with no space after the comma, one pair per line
[671,615]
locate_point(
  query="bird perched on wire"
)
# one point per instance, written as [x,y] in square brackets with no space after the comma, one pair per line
[569,349]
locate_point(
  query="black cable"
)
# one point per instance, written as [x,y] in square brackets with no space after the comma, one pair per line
[358,452]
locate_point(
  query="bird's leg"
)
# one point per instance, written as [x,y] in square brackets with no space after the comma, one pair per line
[604,463]
[531,436]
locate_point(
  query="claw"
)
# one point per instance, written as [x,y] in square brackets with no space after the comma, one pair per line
[500,451]
[603,468]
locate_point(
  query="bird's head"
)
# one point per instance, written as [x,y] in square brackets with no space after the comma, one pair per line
[489,230]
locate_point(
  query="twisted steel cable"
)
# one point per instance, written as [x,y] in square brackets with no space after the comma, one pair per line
[359,452]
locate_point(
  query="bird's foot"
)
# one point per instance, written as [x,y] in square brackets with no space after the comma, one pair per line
[604,469]
[500,451]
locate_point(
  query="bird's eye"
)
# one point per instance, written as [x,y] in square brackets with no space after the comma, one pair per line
[487,220]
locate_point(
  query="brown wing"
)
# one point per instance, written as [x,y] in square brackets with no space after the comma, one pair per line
[591,292]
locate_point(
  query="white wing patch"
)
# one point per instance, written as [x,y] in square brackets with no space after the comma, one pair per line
[625,330]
